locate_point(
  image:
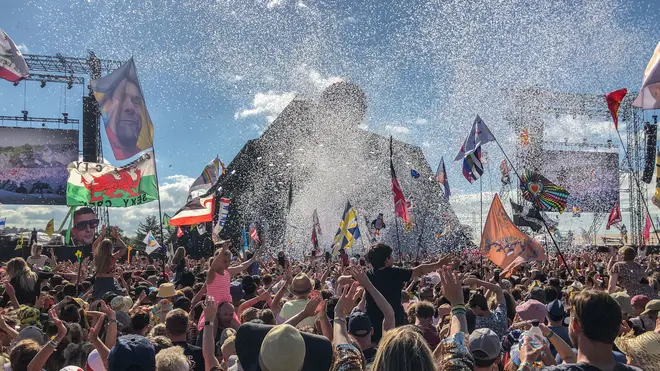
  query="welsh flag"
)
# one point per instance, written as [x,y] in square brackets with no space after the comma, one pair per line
[92,184]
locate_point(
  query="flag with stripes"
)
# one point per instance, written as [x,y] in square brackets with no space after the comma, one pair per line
[348,231]
[317,224]
[208,177]
[441,177]
[470,151]
[3,222]
[400,205]
[254,234]
[615,216]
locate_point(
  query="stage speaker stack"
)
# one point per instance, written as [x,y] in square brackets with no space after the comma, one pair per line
[90,127]
[651,132]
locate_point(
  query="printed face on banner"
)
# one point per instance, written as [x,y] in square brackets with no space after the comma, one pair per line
[127,122]
[84,226]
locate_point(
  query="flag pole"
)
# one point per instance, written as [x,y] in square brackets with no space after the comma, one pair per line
[160,209]
[639,187]
[568,270]
[481,218]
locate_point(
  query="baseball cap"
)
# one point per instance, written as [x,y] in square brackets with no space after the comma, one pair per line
[640,300]
[131,352]
[651,306]
[236,291]
[94,362]
[32,333]
[532,310]
[359,324]
[556,311]
[484,344]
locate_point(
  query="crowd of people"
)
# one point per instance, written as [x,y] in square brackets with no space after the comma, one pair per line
[598,311]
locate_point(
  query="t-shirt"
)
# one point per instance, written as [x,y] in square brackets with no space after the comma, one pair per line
[618,357]
[194,355]
[293,307]
[587,367]
[389,281]
[38,262]
[498,321]
[370,355]
[562,332]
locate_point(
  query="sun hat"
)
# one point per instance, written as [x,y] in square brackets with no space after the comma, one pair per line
[283,349]
[251,336]
[121,303]
[484,344]
[623,299]
[94,362]
[644,350]
[301,284]
[166,290]
[532,310]
[130,352]
[651,306]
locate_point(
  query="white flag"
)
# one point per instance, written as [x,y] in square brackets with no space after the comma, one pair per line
[649,94]
[152,244]
[12,64]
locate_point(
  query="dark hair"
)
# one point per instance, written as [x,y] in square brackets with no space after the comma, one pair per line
[424,309]
[628,253]
[478,301]
[267,279]
[378,255]
[471,320]
[83,211]
[550,294]
[22,354]
[176,322]
[483,363]
[598,314]
[140,320]
[69,289]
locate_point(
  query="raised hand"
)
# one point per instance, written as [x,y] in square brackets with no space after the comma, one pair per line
[210,308]
[61,328]
[108,310]
[347,299]
[104,230]
[528,353]
[96,330]
[312,306]
[9,289]
[359,275]
[451,286]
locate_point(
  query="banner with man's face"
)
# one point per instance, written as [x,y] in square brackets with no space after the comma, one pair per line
[125,116]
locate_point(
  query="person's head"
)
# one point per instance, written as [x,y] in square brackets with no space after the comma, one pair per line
[22,354]
[380,255]
[479,305]
[132,353]
[179,255]
[595,318]
[403,348]
[140,321]
[37,249]
[225,314]
[103,258]
[628,253]
[424,312]
[84,225]
[18,268]
[652,308]
[359,325]
[485,347]
[267,316]
[556,311]
[267,280]
[283,348]
[172,359]
[124,107]
[639,303]
[249,314]
[301,286]
[221,259]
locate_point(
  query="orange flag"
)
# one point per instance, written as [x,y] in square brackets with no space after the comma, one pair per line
[504,244]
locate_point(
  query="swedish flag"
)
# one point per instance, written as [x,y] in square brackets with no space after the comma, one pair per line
[348,230]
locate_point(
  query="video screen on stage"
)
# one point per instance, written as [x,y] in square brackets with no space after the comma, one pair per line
[592,178]
[33,165]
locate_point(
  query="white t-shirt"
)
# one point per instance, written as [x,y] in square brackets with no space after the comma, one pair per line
[39,262]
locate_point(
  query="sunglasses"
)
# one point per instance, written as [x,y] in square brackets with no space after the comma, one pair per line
[91,223]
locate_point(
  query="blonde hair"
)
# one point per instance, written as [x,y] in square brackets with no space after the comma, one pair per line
[403,348]
[103,258]
[18,268]
[172,359]
[158,330]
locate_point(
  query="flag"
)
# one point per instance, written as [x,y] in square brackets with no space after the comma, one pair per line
[125,116]
[545,195]
[615,216]
[524,137]
[524,216]
[317,224]
[12,64]
[224,169]
[505,172]
[208,177]
[201,228]
[290,197]
[50,227]
[441,177]
[647,229]
[315,239]
[479,135]
[613,100]
[503,243]
[179,231]
[166,221]
[20,243]
[151,243]
[3,223]
[198,210]
[473,168]
[222,217]
[254,234]
[400,208]
[414,173]
[245,241]
[92,184]
[348,231]
[649,94]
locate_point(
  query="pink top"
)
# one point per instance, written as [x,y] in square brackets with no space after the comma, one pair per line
[219,289]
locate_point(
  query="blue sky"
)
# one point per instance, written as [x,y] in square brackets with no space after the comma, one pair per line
[215,72]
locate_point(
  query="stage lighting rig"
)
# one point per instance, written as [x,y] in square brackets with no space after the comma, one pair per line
[43,83]
[66,117]
[25,115]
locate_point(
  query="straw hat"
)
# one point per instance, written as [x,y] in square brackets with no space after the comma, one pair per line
[643,349]
[283,349]
[166,290]
[651,306]
[301,284]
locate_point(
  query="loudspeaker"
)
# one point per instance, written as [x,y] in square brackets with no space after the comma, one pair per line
[90,126]
[651,132]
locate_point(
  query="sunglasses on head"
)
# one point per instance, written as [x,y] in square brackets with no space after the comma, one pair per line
[91,223]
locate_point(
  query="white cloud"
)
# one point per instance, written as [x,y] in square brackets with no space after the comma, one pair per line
[418,121]
[274,3]
[173,195]
[268,104]
[23,48]
[319,82]
[395,129]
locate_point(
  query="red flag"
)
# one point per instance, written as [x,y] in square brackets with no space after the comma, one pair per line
[647,229]
[615,216]
[179,231]
[504,244]
[613,101]
[400,205]
[254,234]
